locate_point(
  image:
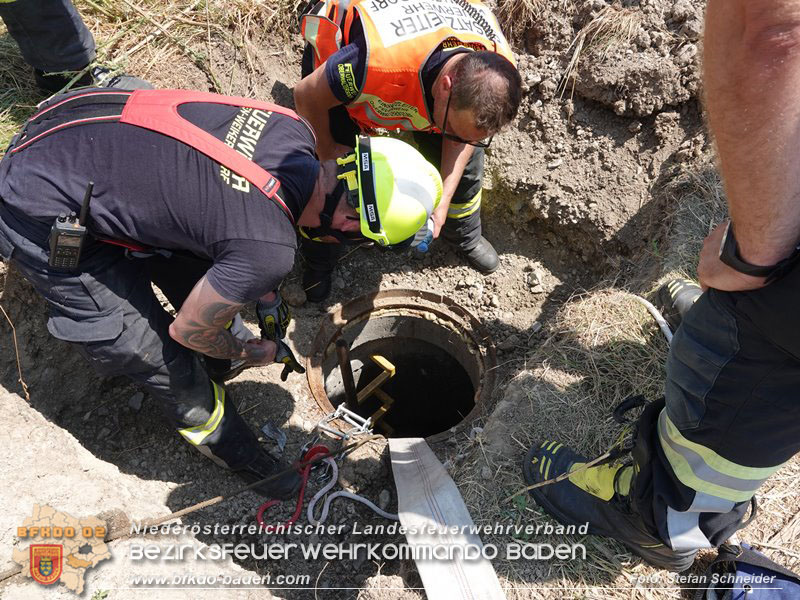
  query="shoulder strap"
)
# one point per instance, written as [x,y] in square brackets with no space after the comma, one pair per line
[157,110]
[750,556]
[107,106]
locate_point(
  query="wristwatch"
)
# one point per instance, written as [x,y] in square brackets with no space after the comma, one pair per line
[729,255]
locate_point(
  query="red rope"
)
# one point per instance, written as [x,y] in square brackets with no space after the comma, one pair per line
[312,453]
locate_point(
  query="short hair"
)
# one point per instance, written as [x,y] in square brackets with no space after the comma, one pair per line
[489,85]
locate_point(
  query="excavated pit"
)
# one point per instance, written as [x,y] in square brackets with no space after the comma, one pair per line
[442,355]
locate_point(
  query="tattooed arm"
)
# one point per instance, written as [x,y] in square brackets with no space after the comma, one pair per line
[200,325]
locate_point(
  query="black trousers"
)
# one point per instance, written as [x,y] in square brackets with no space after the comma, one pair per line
[50,33]
[107,309]
[732,414]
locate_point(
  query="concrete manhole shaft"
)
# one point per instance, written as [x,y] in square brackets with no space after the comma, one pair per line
[443,362]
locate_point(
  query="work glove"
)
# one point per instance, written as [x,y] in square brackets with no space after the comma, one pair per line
[273,318]
[284,354]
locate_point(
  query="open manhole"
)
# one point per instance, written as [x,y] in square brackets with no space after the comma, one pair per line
[442,361]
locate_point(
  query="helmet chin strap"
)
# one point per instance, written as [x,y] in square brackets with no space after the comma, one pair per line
[326,220]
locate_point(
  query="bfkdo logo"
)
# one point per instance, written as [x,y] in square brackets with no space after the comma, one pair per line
[54,546]
[46,562]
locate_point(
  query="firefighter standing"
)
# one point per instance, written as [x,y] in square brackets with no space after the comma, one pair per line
[732,414]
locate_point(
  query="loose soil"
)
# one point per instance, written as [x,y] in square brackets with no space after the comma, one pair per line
[578,190]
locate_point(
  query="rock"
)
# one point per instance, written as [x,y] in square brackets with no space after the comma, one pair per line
[534,278]
[665,124]
[495,301]
[510,342]
[383,499]
[692,28]
[537,289]
[635,126]
[486,473]
[135,401]
[338,283]
[535,328]
[686,54]
[533,79]
[104,433]
[547,89]
[682,10]
[294,294]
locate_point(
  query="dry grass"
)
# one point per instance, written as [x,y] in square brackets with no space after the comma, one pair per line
[516,16]
[698,205]
[151,38]
[612,26]
[604,346]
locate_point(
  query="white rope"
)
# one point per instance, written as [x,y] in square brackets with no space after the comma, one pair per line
[326,504]
[662,323]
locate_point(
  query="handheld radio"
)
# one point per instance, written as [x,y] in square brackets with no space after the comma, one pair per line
[67,235]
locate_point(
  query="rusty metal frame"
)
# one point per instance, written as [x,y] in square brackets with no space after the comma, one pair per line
[415,302]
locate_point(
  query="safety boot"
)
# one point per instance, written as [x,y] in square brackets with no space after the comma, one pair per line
[674,299]
[216,429]
[483,257]
[264,465]
[97,76]
[599,496]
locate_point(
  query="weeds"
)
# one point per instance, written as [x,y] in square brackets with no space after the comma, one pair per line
[611,27]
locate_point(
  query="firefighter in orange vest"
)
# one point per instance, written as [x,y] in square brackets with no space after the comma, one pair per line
[442,70]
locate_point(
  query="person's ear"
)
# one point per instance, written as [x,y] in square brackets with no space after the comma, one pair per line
[447,83]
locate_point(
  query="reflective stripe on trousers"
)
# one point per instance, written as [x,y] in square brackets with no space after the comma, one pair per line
[197,435]
[461,211]
[719,484]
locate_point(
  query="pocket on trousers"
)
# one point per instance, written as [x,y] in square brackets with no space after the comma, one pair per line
[87,329]
[704,344]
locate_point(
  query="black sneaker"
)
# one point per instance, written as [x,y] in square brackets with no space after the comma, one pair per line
[599,496]
[97,76]
[675,298]
[105,77]
[264,465]
[317,285]
[483,257]
[54,82]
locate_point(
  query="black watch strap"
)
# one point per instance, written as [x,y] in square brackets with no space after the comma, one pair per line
[729,255]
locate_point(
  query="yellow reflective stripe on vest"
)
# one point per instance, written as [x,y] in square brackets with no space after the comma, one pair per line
[403,115]
[461,211]
[196,435]
[704,470]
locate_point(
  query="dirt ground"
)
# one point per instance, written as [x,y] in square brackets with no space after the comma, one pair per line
[603,183]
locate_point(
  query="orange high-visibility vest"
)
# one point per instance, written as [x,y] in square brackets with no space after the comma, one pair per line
[400,35]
